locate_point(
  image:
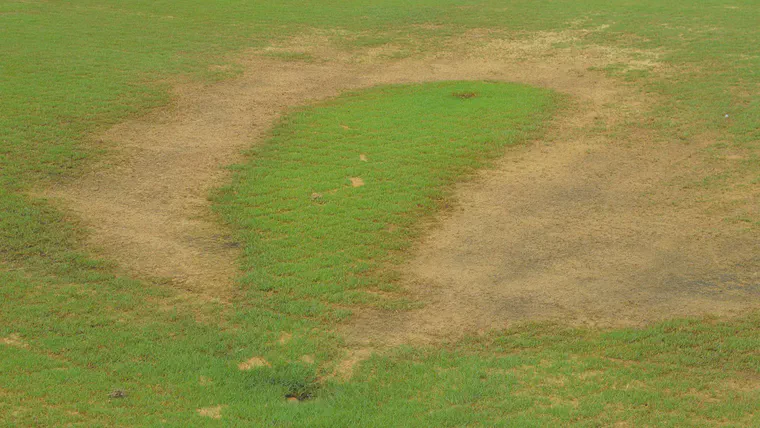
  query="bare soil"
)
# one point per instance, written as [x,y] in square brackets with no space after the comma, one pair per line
[588,226]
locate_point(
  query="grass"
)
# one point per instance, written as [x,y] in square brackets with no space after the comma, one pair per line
[312,237]
[75,330]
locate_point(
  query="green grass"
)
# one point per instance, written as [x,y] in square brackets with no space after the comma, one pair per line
[312,238]
[70,69]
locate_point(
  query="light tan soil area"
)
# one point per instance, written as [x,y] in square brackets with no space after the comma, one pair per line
[589,225]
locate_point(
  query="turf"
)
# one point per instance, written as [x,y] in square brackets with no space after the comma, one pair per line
[74,330]
[314,237]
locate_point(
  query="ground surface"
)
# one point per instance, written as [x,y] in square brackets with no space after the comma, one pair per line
[548,289]
[580,227]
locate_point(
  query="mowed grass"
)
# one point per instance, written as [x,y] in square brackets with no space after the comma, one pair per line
[338,191]
[73,344]
[73,330]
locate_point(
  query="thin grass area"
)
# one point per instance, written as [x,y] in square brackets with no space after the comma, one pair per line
[338,191]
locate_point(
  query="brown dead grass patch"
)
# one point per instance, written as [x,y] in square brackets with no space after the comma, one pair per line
[580,227]
[345,369]
[15,341]
[211,412]
[253,363]
[285,337]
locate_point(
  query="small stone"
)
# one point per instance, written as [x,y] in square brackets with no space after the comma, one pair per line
[118,393]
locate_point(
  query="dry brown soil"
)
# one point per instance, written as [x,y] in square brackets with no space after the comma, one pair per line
[589,225]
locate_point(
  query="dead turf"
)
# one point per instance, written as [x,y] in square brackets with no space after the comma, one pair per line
[583,227]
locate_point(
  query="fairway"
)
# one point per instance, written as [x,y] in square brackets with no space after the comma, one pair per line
[390,214]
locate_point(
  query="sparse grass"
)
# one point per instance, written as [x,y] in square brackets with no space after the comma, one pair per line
[292,56]
[73,330]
